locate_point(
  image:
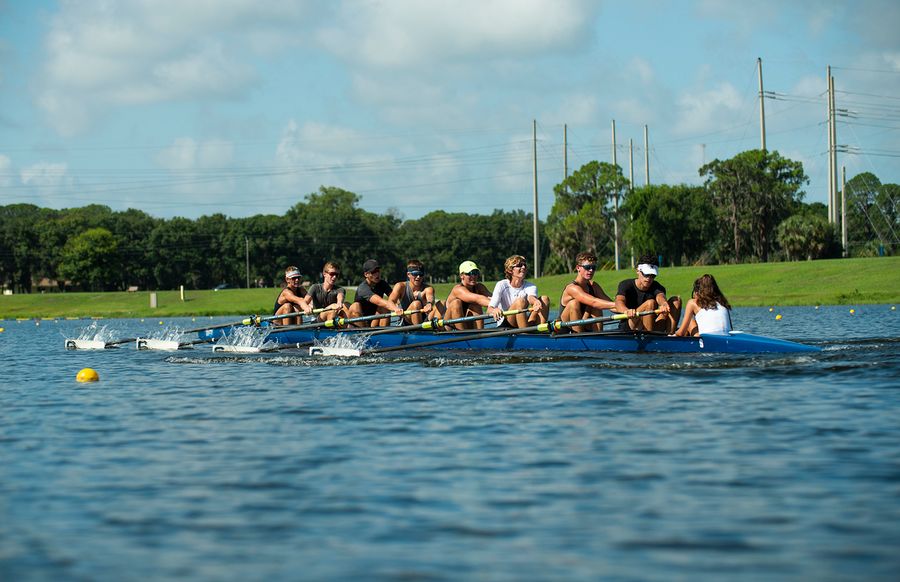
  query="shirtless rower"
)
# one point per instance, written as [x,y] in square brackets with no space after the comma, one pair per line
[293,298]
[468,297]
[584,298]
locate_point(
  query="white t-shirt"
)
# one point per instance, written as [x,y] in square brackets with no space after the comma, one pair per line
[504,293]
[713,321]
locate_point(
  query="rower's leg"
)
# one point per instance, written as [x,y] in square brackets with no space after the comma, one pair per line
[414,318]
[572,312]
[645,322]
[668,323]
[287,308]
[540,316]
[520,319]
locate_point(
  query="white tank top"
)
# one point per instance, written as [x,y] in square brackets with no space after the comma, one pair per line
[713,321]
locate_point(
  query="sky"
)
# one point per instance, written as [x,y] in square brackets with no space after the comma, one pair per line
[241,107]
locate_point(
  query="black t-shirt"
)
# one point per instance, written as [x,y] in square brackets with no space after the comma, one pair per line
[634,297]
[323,298]
[364,294]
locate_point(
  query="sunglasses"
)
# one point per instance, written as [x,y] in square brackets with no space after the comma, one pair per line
[519,266]
[416,273]
[589,267]
[373,271]
[472,273]
[333,274]
[294,279]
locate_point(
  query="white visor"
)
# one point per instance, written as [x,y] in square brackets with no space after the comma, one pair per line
[648,269]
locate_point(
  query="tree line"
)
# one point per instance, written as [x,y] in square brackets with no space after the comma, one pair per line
[750,208]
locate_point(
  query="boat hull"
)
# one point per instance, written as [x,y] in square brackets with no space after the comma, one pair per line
[734,343]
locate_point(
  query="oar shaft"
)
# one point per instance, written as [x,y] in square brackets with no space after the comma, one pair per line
[438,323]
[555,325]
[342,321]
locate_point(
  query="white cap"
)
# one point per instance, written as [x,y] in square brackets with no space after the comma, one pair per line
[648,269]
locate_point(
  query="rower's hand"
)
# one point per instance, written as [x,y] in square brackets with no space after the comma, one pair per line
[496,312]
[631,313]
[664,307]
[308,309]
[536,306]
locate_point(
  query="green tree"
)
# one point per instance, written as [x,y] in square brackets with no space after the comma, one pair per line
[91,260]
[805,236]
[677,222]
[582,215]
[752,193]
[872,215]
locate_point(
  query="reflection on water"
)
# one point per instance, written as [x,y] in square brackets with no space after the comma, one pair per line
[454,465]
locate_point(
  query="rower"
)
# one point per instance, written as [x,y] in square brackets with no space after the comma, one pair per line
[371,296]
[584,298]
[514,292]
[327,296]
[468,297]
[417,295]
[293,298]
[646,294]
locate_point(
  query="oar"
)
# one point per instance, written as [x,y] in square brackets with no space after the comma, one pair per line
[550,326]
[169,345]
[435,324]
[439,323]
[342,321]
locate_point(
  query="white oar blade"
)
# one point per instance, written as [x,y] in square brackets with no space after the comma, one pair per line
[330,351]
[82,344]
[239,349]
[157,344]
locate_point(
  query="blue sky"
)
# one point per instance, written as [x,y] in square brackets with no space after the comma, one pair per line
[192,107]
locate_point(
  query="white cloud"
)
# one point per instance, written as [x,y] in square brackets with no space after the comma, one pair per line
[45,175]
[6,172]
[707,111]
[404,33]
[101,53]
[187,154]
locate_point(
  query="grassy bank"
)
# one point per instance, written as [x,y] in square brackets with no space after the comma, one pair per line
[833,282]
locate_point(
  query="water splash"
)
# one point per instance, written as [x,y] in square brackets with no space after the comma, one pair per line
[169,334]
[253,337]
[95,333]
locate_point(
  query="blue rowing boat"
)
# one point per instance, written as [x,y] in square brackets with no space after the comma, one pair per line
[733,343]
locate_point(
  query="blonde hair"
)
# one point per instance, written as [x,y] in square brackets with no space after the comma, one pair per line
[510,263]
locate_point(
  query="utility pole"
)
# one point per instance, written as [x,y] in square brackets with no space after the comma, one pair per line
[834,148]
[762,108]
[616,198]
[844,240]
[537,247]
[566,153]
[830,146]
[247,255]
[630,165]
[646,156]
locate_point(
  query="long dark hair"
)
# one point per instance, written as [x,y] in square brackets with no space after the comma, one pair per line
[708,293]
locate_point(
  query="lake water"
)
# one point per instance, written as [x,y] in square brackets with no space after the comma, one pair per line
[454,465]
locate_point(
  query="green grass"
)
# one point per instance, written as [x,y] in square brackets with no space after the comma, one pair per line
[833,282]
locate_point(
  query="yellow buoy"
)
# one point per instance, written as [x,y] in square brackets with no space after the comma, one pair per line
[893,307]
[87,375]
[160,322]
[852,311]
[778,317]
[771,309]
[1,330]
[817,306]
